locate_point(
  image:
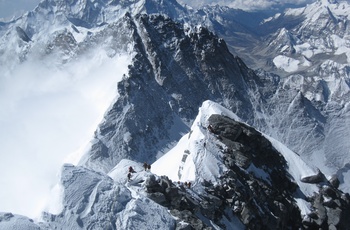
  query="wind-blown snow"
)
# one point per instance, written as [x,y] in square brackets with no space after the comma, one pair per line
[47,114]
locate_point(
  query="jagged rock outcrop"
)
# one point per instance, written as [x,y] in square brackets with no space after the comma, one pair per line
[22,34]
[274,196]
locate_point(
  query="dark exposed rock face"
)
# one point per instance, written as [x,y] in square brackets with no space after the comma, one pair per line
[331,209]
[315,179]
[177,199]
[260,203]
[22,34]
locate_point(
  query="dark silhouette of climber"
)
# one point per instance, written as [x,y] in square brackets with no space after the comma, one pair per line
[210,128]
[131,170]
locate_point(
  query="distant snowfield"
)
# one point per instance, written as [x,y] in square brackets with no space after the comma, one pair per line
[49,113]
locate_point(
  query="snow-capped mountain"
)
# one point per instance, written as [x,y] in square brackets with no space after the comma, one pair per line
[240,178]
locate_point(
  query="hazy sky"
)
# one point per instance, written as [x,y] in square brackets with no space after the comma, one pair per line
[10,7]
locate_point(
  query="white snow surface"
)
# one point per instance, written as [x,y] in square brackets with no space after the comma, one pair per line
[9,221]
[143,213]
[288,64]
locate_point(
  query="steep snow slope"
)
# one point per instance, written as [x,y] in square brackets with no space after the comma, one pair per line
[195,157]
[96,201]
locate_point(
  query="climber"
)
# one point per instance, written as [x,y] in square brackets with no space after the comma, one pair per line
[131,170]
[210,128]
[129,176]
[149,167]
[145,165]
[189,184]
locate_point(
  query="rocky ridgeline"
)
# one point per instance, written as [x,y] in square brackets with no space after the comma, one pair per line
[259,202]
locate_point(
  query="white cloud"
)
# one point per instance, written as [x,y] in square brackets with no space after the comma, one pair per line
[46,114]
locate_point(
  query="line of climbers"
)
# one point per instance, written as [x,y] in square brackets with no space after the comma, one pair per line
[146,166]
[186,184]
